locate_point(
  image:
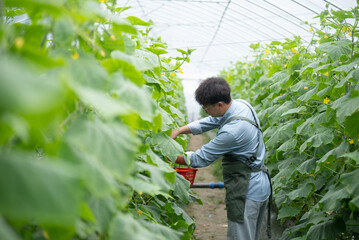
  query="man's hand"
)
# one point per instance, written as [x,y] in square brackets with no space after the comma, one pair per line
[181,130]
[175,133]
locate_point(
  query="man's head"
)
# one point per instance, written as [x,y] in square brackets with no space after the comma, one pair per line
[214,94]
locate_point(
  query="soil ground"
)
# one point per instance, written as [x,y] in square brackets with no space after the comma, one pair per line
[211,217]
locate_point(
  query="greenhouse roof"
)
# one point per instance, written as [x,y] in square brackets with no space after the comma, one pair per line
[222,30]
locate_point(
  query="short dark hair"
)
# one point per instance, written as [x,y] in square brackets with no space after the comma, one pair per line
[213,90]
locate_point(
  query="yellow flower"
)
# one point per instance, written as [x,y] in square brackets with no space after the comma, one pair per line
[163,73]
[285,66]
[327,162]
[19,42]
[102,53]
[312,175]
[75,56]
[180,70]
[172,74]
[326,74]
[243,72]
[139,212]
[305,88]
[294,50]
[344,29]
[266,51]
[340,63]
[310,30]
[46,236]
[326,100]
[351,141]
[113,37]
[350,34]
[325,36]
[102,1]
[140,193]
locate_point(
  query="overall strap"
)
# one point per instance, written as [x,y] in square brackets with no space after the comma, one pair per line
[254,123]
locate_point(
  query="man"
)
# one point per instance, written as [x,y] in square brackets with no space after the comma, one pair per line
[239,140]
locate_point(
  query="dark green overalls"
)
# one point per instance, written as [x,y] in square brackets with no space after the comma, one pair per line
[236,176]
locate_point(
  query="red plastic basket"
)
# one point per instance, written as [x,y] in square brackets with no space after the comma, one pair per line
[188,173]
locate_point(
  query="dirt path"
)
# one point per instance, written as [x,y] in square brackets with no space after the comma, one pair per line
[211,217]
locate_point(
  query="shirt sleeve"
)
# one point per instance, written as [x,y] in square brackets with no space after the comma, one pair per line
[216,148]
[204,125]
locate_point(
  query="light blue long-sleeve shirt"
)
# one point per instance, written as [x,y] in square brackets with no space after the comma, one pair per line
[238,138]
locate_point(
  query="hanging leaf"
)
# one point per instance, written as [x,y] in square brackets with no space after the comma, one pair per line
[327,230]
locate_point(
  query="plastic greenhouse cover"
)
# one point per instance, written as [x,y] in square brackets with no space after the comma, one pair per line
[222,30]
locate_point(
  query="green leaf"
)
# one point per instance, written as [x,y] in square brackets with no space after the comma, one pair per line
[50,190]
[103,209]
[352,185]
[352,155]
[308,95]
[26,91]
[288,211]
[125,226]
[136,21]
[111,144]
[308,166]
[338,151]
[142,60]
[324,137]
[346,67]
[294,64]
[64,33]
[327,230]
[331,200]
[168,147]
[127,69]
[181,188]
[346,108]
[138,99]
[302,191]
[6,232]
[336,49]
[288,145]
[157,176]
[301,109]
[105,105]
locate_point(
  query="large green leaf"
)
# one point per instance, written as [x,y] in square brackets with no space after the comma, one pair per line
[110,144]
[167,146]
[125,226]
[346,108]
[103,210]
[6,232]
[287,145]
[323,137]
[327,230]
[181,188]
[157,176]
[105,105]
[337,152]
[137,98]
[48,191]
[302,191]
[351,183]
[142,60]
[331,200]
[288,211]
[22,89]
[336,49]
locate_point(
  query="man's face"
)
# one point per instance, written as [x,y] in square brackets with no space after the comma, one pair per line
[214,109]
